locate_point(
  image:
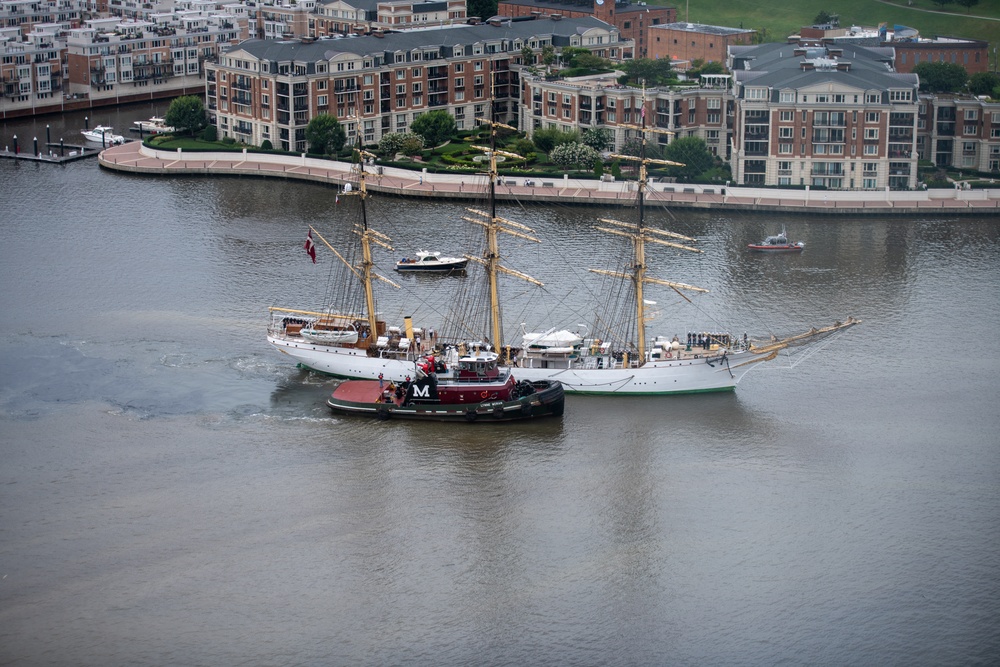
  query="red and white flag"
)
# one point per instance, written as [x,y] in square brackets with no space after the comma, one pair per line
[337,200]
[310,246]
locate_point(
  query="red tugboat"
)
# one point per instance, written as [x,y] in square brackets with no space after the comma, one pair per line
[459,386]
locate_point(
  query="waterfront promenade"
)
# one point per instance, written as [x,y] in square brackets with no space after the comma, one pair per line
[134,157]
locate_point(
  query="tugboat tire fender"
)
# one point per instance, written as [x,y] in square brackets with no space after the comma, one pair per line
[498,412]
[470,415]
[382,414]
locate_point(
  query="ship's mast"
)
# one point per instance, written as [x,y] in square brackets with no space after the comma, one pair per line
[640,235]
[366,251]
[494,225]
[492,242]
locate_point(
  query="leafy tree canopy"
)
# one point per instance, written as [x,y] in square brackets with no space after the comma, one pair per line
[325,135]
[547,139]
[574,155]
[406,143]
[942,3]
[941,77]
[984,83]
[654,72]
[821,18]
[436,127]
[484,9]
[598,138]
[693,153]
[186,114]
[968,4]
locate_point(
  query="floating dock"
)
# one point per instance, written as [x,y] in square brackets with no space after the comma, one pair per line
[54,153]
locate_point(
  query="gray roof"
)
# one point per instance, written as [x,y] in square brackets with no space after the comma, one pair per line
[778,66]
[701,28]
[370,7]
[405,41]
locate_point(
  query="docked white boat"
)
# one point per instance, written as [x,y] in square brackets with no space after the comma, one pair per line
[154,125]
[431,262]
[103,135]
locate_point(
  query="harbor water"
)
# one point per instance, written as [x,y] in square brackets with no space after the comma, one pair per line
[173,491]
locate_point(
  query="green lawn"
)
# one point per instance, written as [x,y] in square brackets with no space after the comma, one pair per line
[786,18]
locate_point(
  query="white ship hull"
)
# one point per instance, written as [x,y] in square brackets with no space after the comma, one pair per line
[653,378]
[345,362]
[684,376]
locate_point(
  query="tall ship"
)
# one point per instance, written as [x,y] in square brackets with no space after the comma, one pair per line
[349,339]
[616,354]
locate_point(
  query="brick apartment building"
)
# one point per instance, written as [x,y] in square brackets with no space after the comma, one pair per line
[633,20]
[270,90]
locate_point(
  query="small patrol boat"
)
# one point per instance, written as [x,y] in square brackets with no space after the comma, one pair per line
[778,243]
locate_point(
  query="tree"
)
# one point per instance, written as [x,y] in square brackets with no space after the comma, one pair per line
[822,18]
[693,153]
[549,138]
[484,9]
[325,135]
[942,3]
[941,77]
[655,72]
[186,114]
[598,138]
[406,143]
[436,127]
[527,56]
[574,156]
[984,83]
[968,4]
[548,54]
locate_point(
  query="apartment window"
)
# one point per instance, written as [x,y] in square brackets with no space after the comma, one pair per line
[873,98]
[871,149]
[321,100]
[713,103]
[417,72]
[868,183]
[971,114]
[786,132]
[400,102]
[418,100]
[786,116]
[786,97]
[400,74]
[714,118]
[785,148]
[459,95]
[417,87]
[872,117]
[400,88]
[871,133]
[459,67]
[969,129]
[899,95]
[478,65]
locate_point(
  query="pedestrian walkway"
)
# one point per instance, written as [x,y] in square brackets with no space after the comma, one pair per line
[134,157]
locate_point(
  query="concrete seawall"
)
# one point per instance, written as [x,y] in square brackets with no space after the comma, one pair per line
[133,157]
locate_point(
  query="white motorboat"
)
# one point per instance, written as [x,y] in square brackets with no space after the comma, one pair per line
[103,135]
[431,262]
[154,125]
